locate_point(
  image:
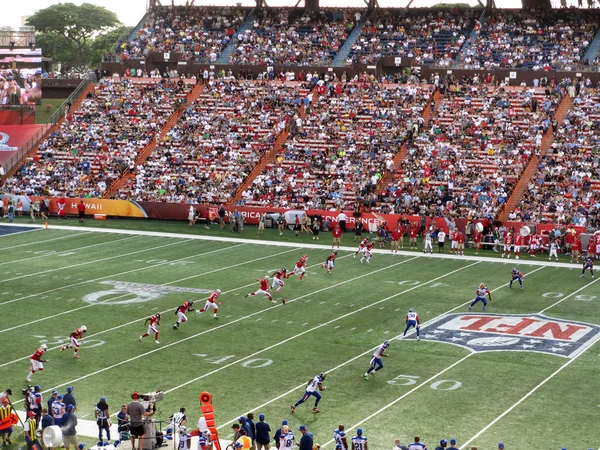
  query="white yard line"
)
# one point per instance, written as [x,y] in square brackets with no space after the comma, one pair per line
[47,240]
[120,296]
[67,252]
[163,347]
[535,388]
[418,253]
[368,352]
[95,279]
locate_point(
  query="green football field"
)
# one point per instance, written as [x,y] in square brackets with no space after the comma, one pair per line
[525,372]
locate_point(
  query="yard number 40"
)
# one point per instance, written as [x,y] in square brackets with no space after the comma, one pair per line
[441,385]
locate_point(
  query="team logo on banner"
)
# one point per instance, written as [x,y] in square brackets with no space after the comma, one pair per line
[513,332]
[4,138]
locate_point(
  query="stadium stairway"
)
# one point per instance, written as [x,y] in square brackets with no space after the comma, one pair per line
[230,47]
[594,48]
[51,129]
[150,146]
[267,157]
[388,177]
[342,54]
[467,44]
[529,172]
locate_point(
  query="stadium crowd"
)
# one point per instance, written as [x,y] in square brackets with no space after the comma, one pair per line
[282,36]
[100,139]
[428,37]
[199,33]
[341,147]
[217,142]
[533,39]
[566,186]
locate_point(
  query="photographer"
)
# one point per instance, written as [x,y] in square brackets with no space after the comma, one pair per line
[136,413]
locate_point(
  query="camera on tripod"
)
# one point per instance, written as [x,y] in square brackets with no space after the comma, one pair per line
[149,400]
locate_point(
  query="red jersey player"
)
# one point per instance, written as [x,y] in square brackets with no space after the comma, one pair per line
[264,290]
[278,279]
[181,310]
[454,242]
[76,338]
[517,246]
[153,322]
[330,262]
[461,244]
[367,253]
[337,235]
[35,361]
[211,302]
[508,240]
[300,268]
[361,246]
[413,231]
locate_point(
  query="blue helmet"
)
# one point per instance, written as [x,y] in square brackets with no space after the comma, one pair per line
[359,431]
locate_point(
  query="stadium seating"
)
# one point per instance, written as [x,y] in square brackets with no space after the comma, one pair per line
[566,187]
[342,147]
[533,40]
[216,143]
[473,151]
[430,37]
[100,139]
[279,37]
[199,33]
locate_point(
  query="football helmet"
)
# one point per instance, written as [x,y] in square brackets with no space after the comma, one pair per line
[283,269]
[481,286]
[218,291]
[322,376]
[191,302]
[158,315]
[305,256]
[44,347]
[411,310]
[206,433]
[83,328]
[183,429]
[335,252]
[386,343]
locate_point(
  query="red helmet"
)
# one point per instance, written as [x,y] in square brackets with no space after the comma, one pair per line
[30,414]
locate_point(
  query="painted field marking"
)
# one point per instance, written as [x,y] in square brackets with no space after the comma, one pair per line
[398,337]
[102,278]
[108,258]
[124,295]
[580,352]
[142,355]
[66,252]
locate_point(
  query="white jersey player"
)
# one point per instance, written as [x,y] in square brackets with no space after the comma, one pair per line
[554,245]
[286,440]
[428,243]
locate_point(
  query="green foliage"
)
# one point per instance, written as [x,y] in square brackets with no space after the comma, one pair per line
[105,42]
[67,30]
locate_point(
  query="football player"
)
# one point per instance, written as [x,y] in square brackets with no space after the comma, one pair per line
[367,253]
[516,275]
[554,246]
[300,268]
[278,279]
[412,320]
[359,442]
[376,363]
[311,389]
[330,262]
[264,290]
[180,311]
[508,239]
[76,339]
[211,302]
[588,264]
[361,246]
[481,291]
[339,436]
[153,323]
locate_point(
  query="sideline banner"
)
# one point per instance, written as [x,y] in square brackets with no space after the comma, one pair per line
[13,138]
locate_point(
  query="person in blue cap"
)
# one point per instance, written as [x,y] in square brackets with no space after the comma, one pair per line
[69,399]
[443,445]
[278,433]
[500,445]
[68,428]
[244,425]
[306,442]
[262,434]
[359,442]
[452,444]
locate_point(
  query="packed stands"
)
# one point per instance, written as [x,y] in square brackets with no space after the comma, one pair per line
[468,159]
[281,36]
[530,39]
[100,139]
[429,37]
[341,148]
[216,143]
[566,187]
[199,33]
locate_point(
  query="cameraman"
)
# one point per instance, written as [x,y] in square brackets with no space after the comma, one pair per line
[136,413]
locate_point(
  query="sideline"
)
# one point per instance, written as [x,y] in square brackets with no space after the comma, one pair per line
[418,253]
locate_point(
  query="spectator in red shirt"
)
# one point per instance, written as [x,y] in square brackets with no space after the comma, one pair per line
[337,234]
[81,211]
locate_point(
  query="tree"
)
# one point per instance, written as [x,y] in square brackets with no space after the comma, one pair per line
[74,25]
[105,42]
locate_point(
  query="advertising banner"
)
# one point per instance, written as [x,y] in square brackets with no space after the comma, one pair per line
[13,137]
